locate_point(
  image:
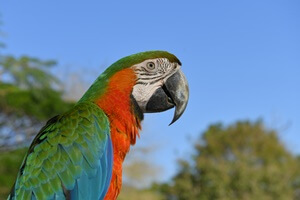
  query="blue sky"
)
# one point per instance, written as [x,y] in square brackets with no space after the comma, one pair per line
[241,58]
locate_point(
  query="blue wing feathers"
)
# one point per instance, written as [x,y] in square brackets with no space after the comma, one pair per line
[96,186]
[108,170]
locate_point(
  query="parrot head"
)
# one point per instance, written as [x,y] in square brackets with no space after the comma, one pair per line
[153,80]
[160,85]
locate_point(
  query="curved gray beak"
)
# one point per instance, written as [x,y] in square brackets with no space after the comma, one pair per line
[175,92]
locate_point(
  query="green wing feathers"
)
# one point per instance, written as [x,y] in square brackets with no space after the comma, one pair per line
[67,147]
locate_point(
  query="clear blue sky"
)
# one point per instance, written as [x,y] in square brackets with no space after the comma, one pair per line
[242,58]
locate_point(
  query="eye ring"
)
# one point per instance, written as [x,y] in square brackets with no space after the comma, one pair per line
[151,65]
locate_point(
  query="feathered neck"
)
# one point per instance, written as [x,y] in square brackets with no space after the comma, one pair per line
[125,121]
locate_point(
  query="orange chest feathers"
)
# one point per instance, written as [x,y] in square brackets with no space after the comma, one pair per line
[124,124]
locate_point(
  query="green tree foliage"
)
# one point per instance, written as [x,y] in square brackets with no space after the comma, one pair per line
[9,167]
[27,72]
[39,103]
[241,161]
[24,111]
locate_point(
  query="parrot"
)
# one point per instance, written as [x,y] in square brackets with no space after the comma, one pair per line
[79,154]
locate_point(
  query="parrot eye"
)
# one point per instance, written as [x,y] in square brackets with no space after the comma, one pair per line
[151,65]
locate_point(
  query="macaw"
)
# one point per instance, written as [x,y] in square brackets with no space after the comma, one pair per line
[79,154]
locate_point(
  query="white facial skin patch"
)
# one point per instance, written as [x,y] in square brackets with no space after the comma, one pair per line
[151,74]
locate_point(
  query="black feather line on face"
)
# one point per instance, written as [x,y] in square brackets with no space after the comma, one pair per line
[148,78]
[140,83]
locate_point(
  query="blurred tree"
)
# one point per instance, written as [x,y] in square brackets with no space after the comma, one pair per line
[133,193]
[28,95]
[11,162]
[23,112]
[39,103]
[27,72]
[138,169]
[138,174]
[241,161]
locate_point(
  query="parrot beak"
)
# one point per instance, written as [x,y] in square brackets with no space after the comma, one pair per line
[174,92]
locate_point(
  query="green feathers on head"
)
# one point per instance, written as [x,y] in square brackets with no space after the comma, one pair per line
[131,60]
[99,86]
